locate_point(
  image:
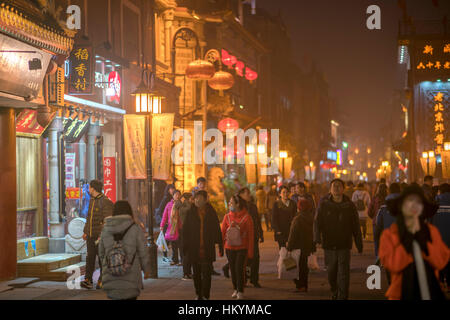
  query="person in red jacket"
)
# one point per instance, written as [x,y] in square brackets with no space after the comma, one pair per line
[412,250]
[238,238]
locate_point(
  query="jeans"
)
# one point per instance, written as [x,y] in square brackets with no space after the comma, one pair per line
[92,253]
[338,267]
[202,278]
[237,260]
[303,270]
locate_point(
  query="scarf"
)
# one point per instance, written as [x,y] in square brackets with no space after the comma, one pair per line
[174,215]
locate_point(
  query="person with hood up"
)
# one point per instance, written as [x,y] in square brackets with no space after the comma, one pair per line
[129,285]
[301,237]
[361,199]
[239,241]
[412,250]
[171,218]
[442,221]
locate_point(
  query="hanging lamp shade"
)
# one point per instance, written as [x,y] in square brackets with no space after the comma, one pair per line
[221,80]
[228,59]
[228,124]
[250,75]
[200,70]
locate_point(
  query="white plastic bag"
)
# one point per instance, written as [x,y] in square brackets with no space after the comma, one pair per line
[161,242]
[312,262]
[282,272]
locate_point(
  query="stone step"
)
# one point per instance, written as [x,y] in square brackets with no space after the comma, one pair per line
[41,265]
[62,274]
[41,247]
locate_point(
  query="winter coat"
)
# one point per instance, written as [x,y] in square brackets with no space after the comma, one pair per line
[282,217]
[211,234]
[165,200]
[306,196]
[442,218]
[301,233]
[246,228]
[166,219]
[395,258]
[261,201]
[428,190]
[100,207]
[129,285]
[383,220]
[185,207]
[272,197]
[362,195]
[257,228]
[375,206]
[337,223]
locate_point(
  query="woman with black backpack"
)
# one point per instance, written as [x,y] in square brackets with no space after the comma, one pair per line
[237,234]
[123,254]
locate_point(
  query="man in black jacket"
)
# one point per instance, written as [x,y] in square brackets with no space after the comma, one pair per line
[201,232]
[337,222]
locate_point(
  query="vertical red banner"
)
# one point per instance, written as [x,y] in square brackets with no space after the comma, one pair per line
[109,177]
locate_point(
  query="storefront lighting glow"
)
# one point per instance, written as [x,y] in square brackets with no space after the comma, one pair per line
[93,104]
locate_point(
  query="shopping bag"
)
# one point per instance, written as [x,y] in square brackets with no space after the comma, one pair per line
[312,262]
[289,263]
[161,242]
[283,272]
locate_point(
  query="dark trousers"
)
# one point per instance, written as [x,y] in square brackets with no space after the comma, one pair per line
[303,270]
[175,250]
[202,278]
[92,254]
[363,224]
[254,266]
[281,244]
[187,268]
[237,260]
[444,275]
[267,219]
[338,267]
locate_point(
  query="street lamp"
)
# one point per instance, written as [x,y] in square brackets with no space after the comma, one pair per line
[148,102]
[283,155]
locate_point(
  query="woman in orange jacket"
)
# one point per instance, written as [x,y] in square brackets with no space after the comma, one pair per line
[237,235]
[412,250]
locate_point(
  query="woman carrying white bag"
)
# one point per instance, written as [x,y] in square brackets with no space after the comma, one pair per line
[301,237]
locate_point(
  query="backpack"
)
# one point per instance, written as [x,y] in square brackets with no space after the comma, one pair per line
[233,234]
[360,204]
[116,259]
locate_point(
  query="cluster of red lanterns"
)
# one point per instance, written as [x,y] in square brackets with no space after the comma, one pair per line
[241,70]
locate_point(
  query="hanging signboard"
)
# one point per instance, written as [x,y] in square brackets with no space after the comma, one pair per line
[75,130]
[432,58]
[445,156]
[135,149]
[109,178]
[22,67]
[162,127]
[27,125]
[81,72]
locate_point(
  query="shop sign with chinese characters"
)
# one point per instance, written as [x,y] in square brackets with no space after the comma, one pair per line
[439,123]
[81,75]
[109,177]
[433,57]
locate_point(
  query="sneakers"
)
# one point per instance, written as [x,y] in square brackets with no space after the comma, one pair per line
[87,284]
[165,259]
[186,277]
[99,285]
[215,273]
[240,296]
[235,294]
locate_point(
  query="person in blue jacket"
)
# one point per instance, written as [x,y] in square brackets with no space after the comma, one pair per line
[442,221]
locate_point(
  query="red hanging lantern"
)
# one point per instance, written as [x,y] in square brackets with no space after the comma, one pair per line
[250,75]
[239,67]
[228,59]
[200,70]
[221,81]
[227,124]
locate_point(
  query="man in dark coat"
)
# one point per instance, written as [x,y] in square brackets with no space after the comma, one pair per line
[100,207]
[245,194]
[337,222]
[428,188]
[284,210]
[201,232]
[301,237]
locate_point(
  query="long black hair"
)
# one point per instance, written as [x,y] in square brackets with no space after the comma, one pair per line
[122,207]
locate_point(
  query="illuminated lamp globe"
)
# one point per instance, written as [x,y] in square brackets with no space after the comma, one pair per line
[221,80]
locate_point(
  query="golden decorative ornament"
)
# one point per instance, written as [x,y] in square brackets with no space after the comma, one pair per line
[200,70]
[221,80]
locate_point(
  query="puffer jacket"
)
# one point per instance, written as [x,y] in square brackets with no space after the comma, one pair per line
[100,207]
[129,285]
[168,220]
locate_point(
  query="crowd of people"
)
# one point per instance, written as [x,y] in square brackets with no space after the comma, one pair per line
[410,224]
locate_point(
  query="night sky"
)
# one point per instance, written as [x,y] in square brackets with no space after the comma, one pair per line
[360,65]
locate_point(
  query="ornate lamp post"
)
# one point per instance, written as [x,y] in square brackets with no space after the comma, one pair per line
[148,102]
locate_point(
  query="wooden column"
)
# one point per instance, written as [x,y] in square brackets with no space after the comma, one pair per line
[8,237]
